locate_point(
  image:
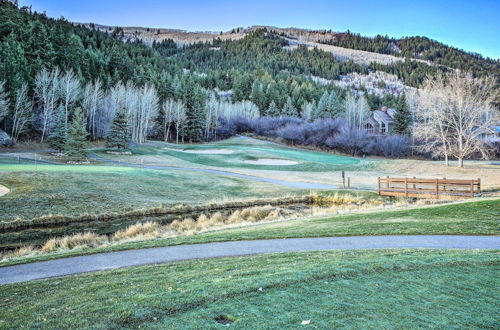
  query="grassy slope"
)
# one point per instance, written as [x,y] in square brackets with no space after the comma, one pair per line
[467,218]
[72,190]
[362,289]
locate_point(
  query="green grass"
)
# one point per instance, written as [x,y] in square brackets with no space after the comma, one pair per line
[72,190]
[467,218]
[362,289]
[308,161]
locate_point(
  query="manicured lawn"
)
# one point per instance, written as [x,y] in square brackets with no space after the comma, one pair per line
[71,190]
[245,149]
[468,218]
[358,289]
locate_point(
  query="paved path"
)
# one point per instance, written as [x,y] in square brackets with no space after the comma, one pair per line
[129,258]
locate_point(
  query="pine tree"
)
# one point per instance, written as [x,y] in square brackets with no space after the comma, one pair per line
[194,99]
[119,134]
[273,110]
[77,137]
[258,97]
[402,118]
[289,109]
[58,136]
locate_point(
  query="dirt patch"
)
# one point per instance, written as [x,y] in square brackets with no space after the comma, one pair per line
[205,151]
[271,161]
[4,190]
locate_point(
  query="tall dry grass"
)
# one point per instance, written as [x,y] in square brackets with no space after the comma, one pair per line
[322,204]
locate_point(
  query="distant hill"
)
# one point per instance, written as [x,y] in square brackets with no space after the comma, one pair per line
[343,45]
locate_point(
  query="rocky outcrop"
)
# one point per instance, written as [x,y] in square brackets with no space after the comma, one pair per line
[5,140]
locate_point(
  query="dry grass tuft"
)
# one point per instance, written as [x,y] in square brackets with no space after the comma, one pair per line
[148,229]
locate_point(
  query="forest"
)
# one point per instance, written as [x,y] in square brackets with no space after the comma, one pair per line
[62,83]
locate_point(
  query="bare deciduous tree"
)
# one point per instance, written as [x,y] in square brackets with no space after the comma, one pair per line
[455,110]
[69,89]
[179,117]
[170,107]
[92,98]
[356,110]
[46,92]
[21,112]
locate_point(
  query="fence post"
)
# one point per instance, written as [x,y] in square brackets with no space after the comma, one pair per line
[406,187]
[378,189]
[437,188]
[471,188]
[343,179]
[414,186]
[478,185]
[348,182]
[444,184]
[387,185]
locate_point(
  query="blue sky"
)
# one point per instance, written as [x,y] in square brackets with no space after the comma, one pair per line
[469,25]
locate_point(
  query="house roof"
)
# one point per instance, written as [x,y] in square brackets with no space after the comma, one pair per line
[381,116]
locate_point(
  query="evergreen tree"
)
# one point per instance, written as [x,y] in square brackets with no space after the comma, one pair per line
[258,97]
[273,110]
[289,109]
[77,137]
[119,134]
[58,136]
[194,100]
[402,118]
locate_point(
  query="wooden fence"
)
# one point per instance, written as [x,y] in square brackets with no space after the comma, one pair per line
[429,188]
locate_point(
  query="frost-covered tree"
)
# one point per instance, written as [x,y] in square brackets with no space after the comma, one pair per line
[46,93]
[91,101]
[306,110]
[179,117]
[168,116]
[356,110]
[69,91]
[21,114]
[456,109]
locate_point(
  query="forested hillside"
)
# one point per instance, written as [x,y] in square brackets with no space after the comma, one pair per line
[418,48]
[56,75]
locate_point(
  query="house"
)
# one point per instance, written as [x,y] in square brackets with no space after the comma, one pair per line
[381,121]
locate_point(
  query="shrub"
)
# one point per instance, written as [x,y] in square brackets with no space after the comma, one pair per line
[350,140]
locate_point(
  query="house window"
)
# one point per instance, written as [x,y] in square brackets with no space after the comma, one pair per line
[383,128]
[369,128]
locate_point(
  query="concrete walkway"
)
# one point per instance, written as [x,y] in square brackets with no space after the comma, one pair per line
[129,258]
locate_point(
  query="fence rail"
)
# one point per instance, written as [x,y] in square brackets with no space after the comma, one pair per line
[429,188]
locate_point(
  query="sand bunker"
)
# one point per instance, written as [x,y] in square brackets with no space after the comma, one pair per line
[204,151]
[4,190]
[271,161]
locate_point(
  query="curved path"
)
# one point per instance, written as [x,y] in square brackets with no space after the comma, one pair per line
[129,258]
[294,184]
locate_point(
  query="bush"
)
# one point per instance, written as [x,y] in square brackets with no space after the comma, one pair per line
[350,140]
[390,146]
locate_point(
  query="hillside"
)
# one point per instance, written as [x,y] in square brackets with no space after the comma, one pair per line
[343,45]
